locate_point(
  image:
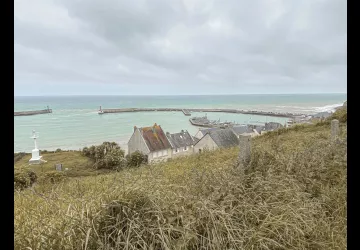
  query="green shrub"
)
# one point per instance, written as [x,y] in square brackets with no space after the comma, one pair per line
[340,114]
[136,159]
[108,155]
[24,178]
[52,177]
[85,151]
[58,150]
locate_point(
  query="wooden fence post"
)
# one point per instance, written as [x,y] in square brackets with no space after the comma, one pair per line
[245,152]
[334,129]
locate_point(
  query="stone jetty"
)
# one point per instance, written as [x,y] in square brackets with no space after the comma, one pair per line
[205,122]
[236,111]
[186,112]
[33,112]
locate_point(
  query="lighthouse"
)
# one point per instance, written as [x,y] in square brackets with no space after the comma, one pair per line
[35,154]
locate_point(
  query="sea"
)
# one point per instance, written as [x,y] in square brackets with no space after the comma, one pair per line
[75,123]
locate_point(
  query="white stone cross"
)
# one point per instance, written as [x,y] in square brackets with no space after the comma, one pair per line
[35,154]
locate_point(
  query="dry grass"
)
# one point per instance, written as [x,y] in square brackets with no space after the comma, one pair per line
[293,197]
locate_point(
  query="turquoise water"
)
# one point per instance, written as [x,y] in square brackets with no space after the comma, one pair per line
[75,123]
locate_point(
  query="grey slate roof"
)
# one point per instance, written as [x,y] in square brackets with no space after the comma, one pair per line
[207,130]
[258,128]
[195,140]
[272,126]
[182,139]
[238,130]
[224,138]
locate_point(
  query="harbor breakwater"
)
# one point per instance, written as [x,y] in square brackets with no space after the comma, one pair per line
[236,111]
[34,112]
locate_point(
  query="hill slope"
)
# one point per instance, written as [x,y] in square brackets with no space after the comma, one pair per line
[293,197]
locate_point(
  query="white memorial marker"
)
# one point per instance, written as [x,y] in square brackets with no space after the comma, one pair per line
[35,155]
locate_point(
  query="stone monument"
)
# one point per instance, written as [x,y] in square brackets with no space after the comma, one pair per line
[35,154]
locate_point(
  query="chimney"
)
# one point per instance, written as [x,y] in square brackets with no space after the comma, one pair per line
[167,133]
[135,128]
[182,131]
[155,124]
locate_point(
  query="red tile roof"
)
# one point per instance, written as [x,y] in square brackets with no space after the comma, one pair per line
[155,138]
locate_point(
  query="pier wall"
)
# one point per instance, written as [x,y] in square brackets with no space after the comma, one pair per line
[262,113]
[34,112]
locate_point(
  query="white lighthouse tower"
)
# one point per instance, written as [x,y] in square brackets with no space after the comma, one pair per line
[35,155]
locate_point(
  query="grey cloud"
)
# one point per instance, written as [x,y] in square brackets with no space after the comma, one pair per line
[223,44]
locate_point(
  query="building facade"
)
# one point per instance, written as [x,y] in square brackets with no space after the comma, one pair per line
[151,141]
[223,138]
[202,132]
[182,143]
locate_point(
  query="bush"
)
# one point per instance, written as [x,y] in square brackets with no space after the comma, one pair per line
[85,151]
[24,179]
[340,114]
[136,159]
[107,155]
[58,150]
[52,177]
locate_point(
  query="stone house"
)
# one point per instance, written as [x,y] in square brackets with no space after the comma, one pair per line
[252,130]
[221,138]
[257,128]
[270,126]
[181,143]
[151,141]
[202,131]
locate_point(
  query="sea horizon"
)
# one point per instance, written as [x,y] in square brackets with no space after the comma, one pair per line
[335,93]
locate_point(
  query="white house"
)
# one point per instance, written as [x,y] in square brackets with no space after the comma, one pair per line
[151,141]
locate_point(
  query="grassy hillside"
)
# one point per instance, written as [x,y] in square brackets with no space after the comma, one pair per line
[77,164]
[292,197]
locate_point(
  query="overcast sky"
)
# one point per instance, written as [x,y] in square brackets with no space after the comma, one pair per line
[160,47]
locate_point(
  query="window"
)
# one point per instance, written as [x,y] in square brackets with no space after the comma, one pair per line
[160,153]
[185,148]
[155,154]
[164,152]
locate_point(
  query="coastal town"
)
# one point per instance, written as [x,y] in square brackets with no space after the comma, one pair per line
[159,146]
